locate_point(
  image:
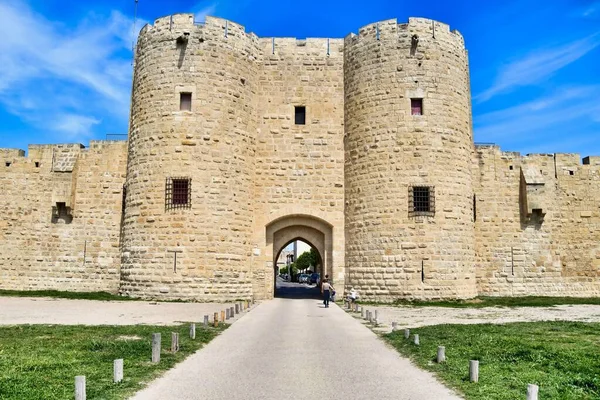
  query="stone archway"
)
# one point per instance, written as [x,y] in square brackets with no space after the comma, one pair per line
[314,231]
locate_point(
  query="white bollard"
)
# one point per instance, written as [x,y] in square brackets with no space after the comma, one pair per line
[417,339]
[474,370]
[118,370]
[441,355]
[80,387]
[174,342]
[155,347]
[193,331]
[406,333]
[532,392]
[394,326]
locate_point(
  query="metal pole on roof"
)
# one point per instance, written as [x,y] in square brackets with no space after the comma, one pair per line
[135,8]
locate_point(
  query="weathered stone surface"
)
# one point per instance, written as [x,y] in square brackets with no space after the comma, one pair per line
[341,181]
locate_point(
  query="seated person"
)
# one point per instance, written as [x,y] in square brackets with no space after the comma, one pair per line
[352,296]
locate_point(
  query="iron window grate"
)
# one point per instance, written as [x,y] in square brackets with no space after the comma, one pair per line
[178,193]
[421,201]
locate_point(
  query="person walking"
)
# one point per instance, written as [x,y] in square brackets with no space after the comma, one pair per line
[326,290]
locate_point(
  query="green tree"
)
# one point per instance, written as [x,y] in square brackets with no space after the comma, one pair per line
[308,259]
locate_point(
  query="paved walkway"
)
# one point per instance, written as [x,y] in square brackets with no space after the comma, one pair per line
[296,349]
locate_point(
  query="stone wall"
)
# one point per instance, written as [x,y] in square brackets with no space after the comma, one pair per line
[299,168]
[554,251]
[390,253]
[74,248]
[501,224]
[213,145]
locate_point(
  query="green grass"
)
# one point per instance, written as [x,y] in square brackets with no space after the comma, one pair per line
[41,361]
[480,302]
[561,357]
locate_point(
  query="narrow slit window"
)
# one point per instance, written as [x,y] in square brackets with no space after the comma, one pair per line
[185,101]
[178,193]
[37,164]
[421,200]
[416,106]
[300,115]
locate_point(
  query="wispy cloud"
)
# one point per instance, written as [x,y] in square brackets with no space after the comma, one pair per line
[538,66]
[201,10]
[64,79]
[561,114]
[591,10]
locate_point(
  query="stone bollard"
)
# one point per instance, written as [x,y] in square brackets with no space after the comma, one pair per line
[174,342]
[156,347]
[205,320]
[376,315]
[227,313]
[231,312]
[441,355]
[532,392]
[222,315]
[118,370]
[406,333]
[394,326]
[474,370]
[193,331]
[237,308]
[216,319]
[362,312]
[80,387]
[417,339]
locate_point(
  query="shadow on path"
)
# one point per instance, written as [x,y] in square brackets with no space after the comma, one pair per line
[291,290]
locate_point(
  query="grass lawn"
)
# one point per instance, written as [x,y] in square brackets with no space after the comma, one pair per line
[563,358]
[41,361]
[480,302]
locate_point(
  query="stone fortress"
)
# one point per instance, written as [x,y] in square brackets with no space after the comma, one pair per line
[239,145]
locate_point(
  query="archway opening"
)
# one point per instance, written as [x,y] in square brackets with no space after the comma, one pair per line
[298,270]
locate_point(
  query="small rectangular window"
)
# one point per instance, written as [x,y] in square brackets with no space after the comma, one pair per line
[178,193]
[37,164]
[416,106]
[185,101]
[7,164]
[421,200]
[300,115]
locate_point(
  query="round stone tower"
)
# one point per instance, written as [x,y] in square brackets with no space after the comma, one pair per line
[408,152]
[187,216]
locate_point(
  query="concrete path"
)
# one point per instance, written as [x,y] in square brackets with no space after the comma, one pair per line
[296,349]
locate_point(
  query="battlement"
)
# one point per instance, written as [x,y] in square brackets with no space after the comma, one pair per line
[185,23]
[290,45]
[382,30]
[562,163]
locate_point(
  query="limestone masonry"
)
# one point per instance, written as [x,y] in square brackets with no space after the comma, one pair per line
[238,145]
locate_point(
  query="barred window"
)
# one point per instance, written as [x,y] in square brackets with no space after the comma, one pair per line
[421,201]
[178,193]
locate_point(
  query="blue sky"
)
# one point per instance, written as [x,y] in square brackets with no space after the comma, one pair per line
[65,66]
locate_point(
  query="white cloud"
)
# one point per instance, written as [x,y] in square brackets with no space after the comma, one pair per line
[62,78]
[538,66]
[201,10]
[560,114]
[74,127]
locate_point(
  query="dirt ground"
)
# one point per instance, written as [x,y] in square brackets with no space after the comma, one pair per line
[407,317]
[27,310]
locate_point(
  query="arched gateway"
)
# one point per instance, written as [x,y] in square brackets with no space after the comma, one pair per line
[313,230]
